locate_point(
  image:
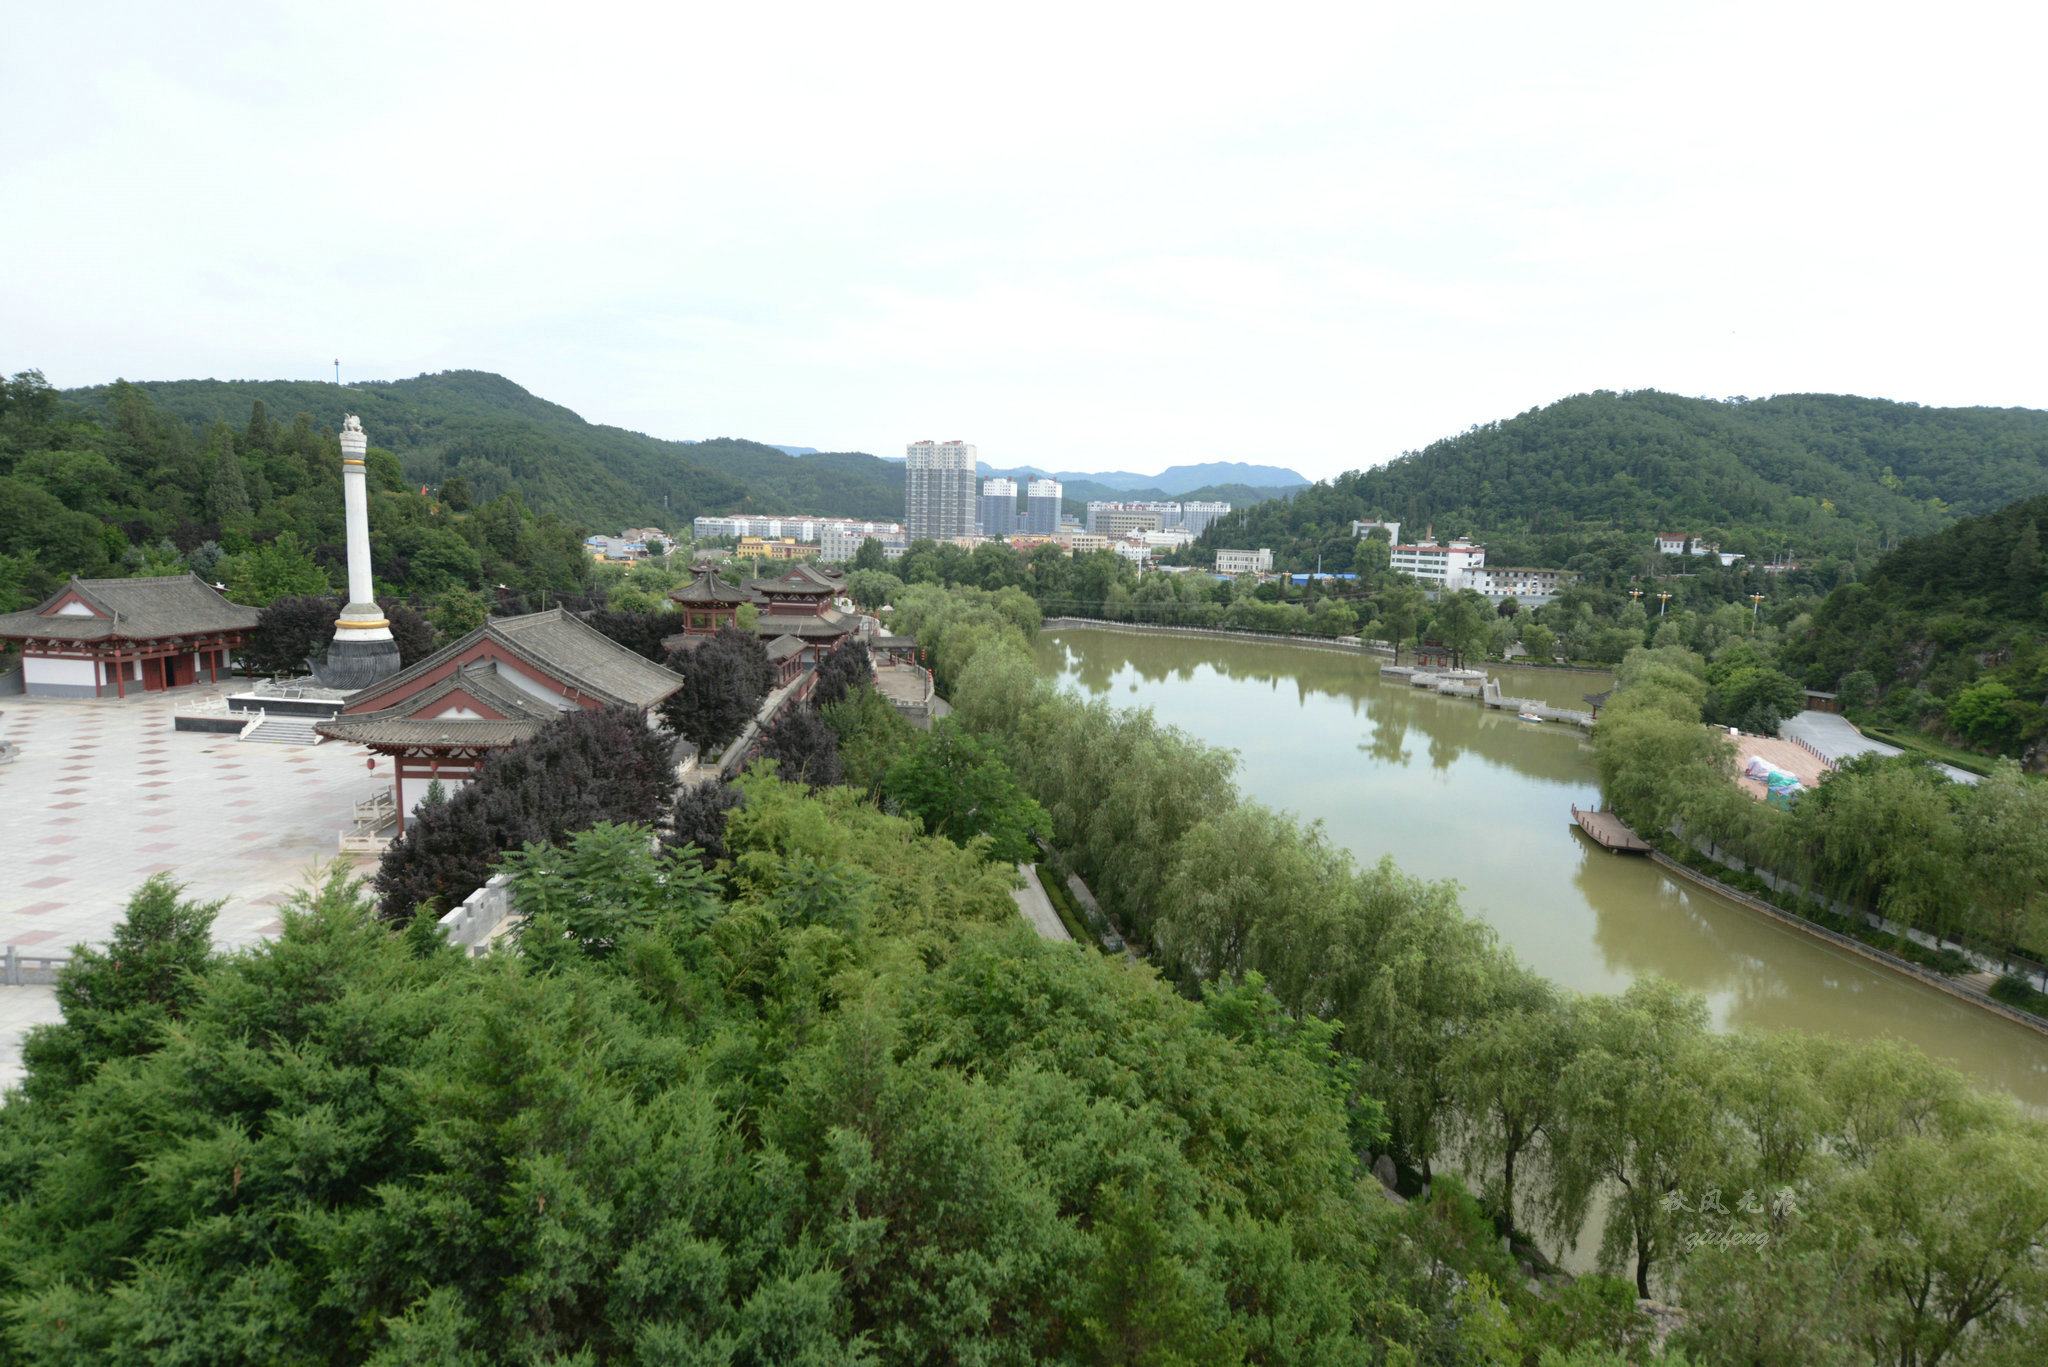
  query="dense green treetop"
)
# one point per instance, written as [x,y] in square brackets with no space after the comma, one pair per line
[125,486]
[1963,611]
[495,436]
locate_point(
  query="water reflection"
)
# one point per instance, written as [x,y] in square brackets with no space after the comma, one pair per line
[1322,735]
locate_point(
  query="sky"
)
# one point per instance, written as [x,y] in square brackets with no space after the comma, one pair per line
[1083,236]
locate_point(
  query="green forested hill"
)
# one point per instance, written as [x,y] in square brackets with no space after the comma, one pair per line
[498,437]
[1815,475]
[1951,627]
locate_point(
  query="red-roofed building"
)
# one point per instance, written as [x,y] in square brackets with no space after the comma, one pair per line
[490,690]
[99,636]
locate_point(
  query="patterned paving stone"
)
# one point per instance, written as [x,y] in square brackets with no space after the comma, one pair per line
[129,796]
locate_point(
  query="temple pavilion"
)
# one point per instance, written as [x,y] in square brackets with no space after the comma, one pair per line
[99,636]
[796,604]
[497,686]
[707,603]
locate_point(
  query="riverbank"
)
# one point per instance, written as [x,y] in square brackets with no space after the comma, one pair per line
[1362,646]
[1474,795]
[1373,648]
[1902,967]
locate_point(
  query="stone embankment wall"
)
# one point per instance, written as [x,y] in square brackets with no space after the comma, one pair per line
[1221,633]
[1938,981]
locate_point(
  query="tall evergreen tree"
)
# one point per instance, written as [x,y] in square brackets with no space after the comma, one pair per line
[257,436]
[227,495]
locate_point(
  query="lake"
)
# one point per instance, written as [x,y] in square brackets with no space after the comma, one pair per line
[1453,790]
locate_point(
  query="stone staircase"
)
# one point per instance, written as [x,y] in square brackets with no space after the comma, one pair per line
[283,730]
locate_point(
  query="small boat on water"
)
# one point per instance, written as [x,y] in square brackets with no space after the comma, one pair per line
[1528,716]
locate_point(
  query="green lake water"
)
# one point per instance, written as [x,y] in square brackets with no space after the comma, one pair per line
[1454,790]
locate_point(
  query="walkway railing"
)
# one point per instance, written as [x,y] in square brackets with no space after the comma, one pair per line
[24,970]
[1830,765]
[471,924]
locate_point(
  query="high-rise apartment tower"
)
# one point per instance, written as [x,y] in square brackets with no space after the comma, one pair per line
[1042,507]
[998,506]
[938,490]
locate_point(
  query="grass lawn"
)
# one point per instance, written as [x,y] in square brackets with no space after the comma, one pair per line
[1913,742]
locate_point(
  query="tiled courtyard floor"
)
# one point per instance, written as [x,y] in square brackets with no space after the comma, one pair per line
[105,793]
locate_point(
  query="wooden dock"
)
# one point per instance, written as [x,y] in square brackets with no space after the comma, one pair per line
[1610,832]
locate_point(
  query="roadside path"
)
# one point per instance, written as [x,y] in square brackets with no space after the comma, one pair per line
[1834,737]
[1037,907]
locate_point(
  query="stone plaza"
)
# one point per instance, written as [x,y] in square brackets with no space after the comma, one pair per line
[103,793]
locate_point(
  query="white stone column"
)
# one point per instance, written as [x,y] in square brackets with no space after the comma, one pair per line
[361,620]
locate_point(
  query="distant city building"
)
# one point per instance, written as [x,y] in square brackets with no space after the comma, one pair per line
[1369,526]
[1528,587]
[614,548]
[781,548]
[1444,566]
[938,490]
[1170,538]
[998,506]
[803,528]
[1244,562]
[1672,543]
[1121,519]
[839,541]
[1197,514]
[1080,543]
[1133,549]
[1042,508]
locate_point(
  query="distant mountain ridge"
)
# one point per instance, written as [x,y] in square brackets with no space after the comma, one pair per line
[499,436]
[1173,482]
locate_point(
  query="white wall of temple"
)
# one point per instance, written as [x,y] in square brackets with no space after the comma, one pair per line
[41,669]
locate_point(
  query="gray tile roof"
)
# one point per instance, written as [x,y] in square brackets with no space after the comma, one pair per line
[801,579]
[782,647]
[524,714]
[378,728]
[560,645]
[709,588]
[599,664]
[827,623]
[135,610]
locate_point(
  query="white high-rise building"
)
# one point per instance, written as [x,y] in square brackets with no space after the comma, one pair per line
[998,506]
[1197,514]
[1042,507]
[938,490]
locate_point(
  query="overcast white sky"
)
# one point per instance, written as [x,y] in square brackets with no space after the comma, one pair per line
[1087,236]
